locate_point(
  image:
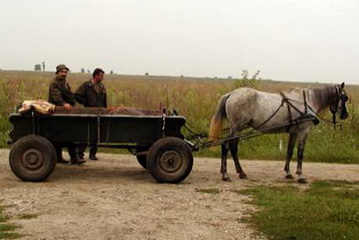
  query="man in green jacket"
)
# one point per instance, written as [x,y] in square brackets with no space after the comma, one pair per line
[92,93]
[60,95]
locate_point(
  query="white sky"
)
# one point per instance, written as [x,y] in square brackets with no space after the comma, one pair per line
[295,40]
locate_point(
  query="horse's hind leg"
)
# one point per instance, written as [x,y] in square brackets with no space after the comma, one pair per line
[233,147]
[291,143]
[225,149]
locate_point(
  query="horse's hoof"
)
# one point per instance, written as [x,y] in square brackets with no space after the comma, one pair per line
[289,176]
[302,180]
[243,176]
[226,179]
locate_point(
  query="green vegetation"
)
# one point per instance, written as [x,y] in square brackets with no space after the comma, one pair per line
[196,99]
[6,230]
[327,210]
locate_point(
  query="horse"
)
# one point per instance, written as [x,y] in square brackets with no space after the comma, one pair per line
[294,112]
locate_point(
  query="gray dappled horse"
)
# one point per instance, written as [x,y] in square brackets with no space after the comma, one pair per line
[293,111]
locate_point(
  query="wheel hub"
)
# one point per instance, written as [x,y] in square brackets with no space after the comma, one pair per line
[170,161]
[32,159]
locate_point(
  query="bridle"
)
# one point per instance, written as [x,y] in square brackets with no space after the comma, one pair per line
[342,97]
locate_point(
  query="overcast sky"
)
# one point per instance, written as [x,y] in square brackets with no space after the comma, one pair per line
[294,40]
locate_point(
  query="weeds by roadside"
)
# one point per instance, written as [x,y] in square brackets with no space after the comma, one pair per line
[6,229]
[327,210]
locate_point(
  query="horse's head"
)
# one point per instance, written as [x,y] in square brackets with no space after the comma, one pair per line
[338,105]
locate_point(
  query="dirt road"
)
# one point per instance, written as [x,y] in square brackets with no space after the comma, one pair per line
[114,198]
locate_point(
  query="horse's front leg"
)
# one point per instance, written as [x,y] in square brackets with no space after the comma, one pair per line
[225,176]
[291,143]
[300,156]
[233,147]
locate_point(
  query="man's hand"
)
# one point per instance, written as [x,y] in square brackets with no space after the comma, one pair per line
[67,106]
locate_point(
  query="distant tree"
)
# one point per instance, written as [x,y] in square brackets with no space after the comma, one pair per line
[229,77]
[147,74]
[111,72]
[82,70]
[88,71]
[37,67]
[43,66]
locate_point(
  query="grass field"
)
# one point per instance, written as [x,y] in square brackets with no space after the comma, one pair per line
[196,99]
[327,210]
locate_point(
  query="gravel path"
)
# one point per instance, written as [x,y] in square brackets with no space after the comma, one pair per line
[114,198]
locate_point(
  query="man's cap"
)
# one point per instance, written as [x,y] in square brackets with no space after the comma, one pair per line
[60,67]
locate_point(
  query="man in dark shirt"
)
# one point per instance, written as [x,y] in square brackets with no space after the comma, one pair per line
[92,93]
[60,95]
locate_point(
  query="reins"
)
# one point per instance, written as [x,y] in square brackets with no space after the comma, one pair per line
[306,107]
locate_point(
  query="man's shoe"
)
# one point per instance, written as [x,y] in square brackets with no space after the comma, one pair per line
[93,157]
[61,160]
[77,161]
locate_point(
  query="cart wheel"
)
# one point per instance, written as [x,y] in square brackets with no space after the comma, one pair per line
[32,158]
[142,160]
[170,160]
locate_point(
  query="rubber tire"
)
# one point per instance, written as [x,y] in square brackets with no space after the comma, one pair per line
[165,148]
[38,145]
[142,160]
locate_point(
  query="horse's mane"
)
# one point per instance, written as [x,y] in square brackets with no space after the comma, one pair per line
[323,96]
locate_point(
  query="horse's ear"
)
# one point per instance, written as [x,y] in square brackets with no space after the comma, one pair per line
[342,85]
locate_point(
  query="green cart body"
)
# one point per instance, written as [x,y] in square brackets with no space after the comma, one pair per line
[152,136]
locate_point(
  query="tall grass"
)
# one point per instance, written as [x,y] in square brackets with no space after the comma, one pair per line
[196,99]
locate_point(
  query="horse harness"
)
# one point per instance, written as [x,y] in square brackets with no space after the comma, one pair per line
[304,116]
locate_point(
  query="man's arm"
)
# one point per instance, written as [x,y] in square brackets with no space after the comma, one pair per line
[55,95]
[80,95]
[69,96]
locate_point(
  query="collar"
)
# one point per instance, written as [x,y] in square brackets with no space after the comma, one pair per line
[91,83]
[100,84]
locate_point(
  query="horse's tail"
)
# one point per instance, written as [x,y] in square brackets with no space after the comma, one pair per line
[217,120]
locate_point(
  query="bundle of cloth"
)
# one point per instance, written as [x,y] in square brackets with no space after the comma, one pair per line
[40,106]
